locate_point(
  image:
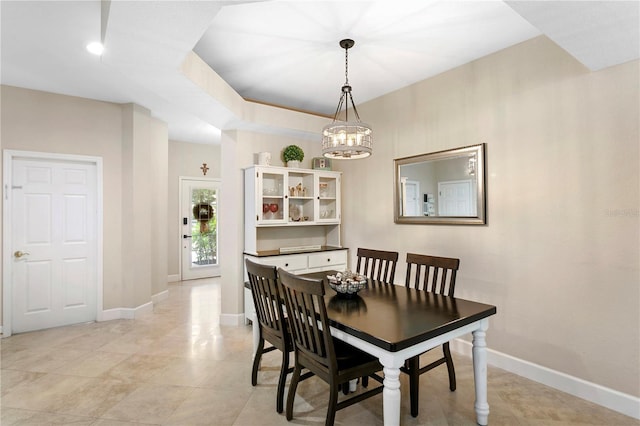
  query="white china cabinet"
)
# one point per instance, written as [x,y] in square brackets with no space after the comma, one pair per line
[292,220]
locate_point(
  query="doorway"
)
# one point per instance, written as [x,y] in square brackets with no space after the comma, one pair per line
[52,244]
[199,228]
[410,197]
[456,198]
[412,190]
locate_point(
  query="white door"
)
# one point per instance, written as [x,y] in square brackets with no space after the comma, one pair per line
[199,230]
[412,190]
[455,198]
[53,243]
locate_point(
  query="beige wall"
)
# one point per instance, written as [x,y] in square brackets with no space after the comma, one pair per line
[133,147]
[185,159]
[560,254]
[159,223]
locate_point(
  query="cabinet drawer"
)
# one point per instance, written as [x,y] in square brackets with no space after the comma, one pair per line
[333,258]
[288,263]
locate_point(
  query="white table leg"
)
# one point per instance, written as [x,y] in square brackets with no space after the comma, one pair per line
[480,373]
[391,396]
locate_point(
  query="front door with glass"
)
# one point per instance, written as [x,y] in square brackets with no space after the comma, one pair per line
[199,230]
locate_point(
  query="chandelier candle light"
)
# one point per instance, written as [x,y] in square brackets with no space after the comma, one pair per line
[346,139]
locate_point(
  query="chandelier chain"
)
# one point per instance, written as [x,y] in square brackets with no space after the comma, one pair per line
[346,66]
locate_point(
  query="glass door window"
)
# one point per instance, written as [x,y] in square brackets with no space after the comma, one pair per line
[328,198]
[204,228]
[271,201]
[301,197]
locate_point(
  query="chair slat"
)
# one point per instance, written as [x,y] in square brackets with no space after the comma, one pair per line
[379,265]
[432,273]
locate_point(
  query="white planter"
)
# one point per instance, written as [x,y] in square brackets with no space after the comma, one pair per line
[264,158]
[294,164]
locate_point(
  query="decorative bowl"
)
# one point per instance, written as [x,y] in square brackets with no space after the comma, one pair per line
[347,283]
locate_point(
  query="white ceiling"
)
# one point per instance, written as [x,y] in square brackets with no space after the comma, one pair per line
[284,52]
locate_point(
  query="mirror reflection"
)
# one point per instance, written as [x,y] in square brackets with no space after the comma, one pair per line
[441,187]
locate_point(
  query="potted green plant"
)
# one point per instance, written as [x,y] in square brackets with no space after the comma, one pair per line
[293,155]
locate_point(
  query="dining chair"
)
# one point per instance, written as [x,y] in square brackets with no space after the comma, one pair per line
[378,265]
[268,303]
[436,275]
[316,350]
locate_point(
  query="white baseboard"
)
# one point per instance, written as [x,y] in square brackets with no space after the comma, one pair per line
[626,404]
[126,313]
[159,297]
[133,313]
[232,319]
[173,278]
[109,314]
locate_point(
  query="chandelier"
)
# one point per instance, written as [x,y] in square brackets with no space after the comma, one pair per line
[346,139]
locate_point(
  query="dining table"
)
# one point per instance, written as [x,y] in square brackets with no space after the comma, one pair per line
[395,323]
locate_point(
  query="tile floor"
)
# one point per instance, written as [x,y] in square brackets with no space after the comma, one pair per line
[178,366]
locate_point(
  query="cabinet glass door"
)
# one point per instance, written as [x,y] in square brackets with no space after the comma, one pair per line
[271,206]
[301,196]
[328,198]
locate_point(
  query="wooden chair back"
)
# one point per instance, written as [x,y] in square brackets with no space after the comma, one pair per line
[378,265]
[432,273]
[329,359]
[307,314]
[267,300]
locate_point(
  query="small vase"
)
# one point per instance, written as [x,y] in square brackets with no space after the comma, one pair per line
[294,164]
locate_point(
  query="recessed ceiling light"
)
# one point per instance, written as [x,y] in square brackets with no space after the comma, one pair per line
[96,48]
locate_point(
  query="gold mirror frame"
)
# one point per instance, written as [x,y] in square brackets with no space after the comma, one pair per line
[430,203]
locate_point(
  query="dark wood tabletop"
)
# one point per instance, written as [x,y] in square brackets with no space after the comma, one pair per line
[394,317]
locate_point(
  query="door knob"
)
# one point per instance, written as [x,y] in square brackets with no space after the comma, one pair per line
[18,254]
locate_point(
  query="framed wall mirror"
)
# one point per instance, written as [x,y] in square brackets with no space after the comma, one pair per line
[445,187]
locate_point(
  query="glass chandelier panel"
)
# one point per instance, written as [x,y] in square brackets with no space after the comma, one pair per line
[344,139]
